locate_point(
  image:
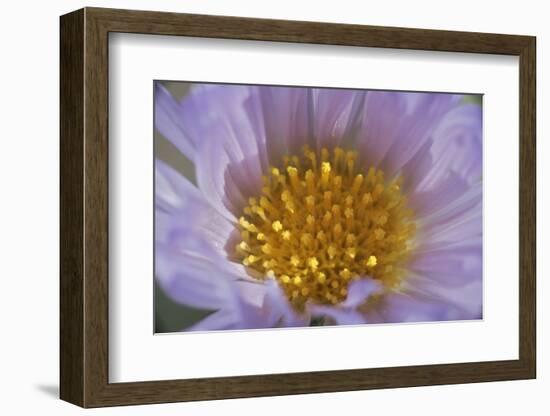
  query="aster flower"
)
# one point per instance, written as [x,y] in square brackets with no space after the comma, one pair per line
[320,206]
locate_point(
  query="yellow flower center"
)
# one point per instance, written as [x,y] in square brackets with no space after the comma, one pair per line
[322,221]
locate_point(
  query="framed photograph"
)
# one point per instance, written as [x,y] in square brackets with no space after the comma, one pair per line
[255,207]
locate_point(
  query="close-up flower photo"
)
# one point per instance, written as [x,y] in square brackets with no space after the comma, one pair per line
[281,207]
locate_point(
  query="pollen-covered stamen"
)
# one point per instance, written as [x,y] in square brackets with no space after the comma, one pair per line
[321,222]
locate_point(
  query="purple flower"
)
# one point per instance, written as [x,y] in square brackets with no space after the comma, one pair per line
[325,205]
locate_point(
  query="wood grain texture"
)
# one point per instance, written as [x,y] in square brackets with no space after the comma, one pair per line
[527,207]
[71,100]
[84,207]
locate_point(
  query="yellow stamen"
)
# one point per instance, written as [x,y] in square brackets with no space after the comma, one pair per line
[336,214]
[371,262]
[312,263]
[277,226]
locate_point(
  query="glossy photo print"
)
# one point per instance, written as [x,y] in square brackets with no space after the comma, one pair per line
[280,207]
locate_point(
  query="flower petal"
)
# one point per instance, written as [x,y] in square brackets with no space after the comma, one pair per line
[455,266]
[411,307]
[447,191]
[172,120]
[457,146]
[261,305]
[318,117]
[198,278]
[231,158]
[397,124]
[185,221]
[360,290]
[337,115]
[451,163]
[239,315]
[447,264]
[346,313]
[217,321]
[277,310]
[288,116]
[340,316]
[179,206]
[459,221]
[191,280]
[466,300]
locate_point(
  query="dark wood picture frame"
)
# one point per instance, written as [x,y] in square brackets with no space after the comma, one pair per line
[84,207]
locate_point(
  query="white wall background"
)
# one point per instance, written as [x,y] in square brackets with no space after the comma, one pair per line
[29,171]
